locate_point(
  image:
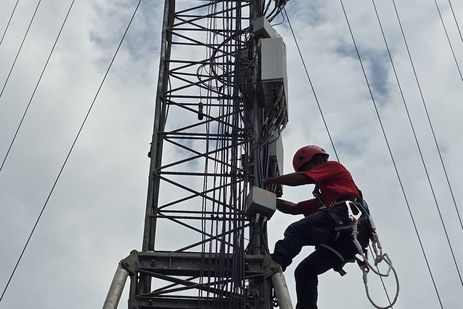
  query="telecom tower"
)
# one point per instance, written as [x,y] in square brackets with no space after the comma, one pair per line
[220,109]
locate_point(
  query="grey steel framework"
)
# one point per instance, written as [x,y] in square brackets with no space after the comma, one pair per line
[200,248]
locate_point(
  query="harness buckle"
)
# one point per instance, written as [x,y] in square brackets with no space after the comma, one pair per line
[353,211]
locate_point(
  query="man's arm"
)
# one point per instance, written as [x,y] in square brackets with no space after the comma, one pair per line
[292,179]
[288,207]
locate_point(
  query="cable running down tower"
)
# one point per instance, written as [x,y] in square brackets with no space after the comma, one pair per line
[220,109]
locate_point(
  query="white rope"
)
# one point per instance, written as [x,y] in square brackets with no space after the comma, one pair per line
[379,257]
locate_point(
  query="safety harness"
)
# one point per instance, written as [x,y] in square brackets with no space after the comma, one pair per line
[357,211]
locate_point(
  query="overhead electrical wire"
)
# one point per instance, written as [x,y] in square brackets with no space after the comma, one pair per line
[35,88]
[386,140]
[69,152]
[427,174]
[456,21]
[448,40]
[20,48]
[426,109]
[326,126]
[311,85]
[412,126]
[8,23]
[435,141]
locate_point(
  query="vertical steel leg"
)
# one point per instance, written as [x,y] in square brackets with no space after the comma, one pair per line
[281,291]
[116,288]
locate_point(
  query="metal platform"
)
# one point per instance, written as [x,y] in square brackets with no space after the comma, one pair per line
[181,280]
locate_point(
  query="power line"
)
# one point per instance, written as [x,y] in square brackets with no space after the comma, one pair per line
[448,40]
[414,134]
[311,84]
[427,114]
[9,21]
[376,109]
[321,112]
[436,143]
[20,47]
[390,151]
[36,86]
[379,118]
[70,151]
[456,21]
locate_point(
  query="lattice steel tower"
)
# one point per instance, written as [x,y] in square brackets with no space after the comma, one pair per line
[220,109]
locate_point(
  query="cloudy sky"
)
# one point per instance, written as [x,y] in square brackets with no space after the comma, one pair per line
[95,215]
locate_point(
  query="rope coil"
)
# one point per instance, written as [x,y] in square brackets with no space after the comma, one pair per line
[378,257]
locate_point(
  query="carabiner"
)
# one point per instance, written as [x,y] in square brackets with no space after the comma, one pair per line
[354,215]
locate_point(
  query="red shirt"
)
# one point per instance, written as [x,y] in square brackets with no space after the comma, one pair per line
[335,183]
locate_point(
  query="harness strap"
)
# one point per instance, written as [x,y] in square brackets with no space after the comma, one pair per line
[339,222]
[355,216]
[318,196]
[355,213]
[338,269]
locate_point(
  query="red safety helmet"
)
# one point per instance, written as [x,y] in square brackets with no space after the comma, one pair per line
[305,154]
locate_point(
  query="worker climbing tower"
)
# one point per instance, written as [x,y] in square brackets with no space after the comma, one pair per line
[220,109]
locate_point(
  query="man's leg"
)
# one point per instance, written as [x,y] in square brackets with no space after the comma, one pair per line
[306,276]
[310,231]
